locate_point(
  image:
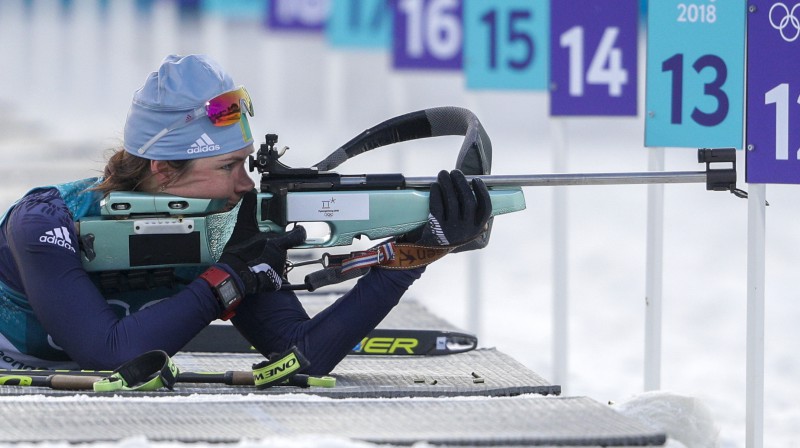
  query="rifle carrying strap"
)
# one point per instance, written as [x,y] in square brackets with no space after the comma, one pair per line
[393,255]
[388,255]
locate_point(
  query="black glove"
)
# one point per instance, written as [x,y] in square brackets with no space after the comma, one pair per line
[258,258]
[456,214]
[261,260]
[246,222]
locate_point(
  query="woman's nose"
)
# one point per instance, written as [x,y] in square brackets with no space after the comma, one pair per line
[244,182]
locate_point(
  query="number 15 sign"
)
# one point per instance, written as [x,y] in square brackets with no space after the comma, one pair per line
[773,92]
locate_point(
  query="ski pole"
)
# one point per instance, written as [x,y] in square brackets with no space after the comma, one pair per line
[39,377]
[147,372]
[84,380]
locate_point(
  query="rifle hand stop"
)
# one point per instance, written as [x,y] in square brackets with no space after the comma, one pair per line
[720,179]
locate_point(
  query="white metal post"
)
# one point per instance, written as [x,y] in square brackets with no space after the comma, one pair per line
[654,275]
[560,247]
[474,267]
[756,231]
[475,286]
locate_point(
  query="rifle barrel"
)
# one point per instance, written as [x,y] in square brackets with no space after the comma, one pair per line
[545,180]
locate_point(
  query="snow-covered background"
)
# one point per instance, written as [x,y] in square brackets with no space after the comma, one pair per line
[67,81]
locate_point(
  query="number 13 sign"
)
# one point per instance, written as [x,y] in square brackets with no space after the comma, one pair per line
[695,73]
[773,92]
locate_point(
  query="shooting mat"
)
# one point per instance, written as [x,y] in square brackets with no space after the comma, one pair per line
[526,420]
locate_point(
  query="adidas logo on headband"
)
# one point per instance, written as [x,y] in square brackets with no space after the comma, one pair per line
[203,144]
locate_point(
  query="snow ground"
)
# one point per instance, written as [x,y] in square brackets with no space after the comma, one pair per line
[64,95]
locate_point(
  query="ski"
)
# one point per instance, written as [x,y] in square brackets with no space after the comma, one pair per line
[415,342]
[226,339]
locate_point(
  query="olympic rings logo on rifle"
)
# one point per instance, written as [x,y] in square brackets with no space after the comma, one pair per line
[788,19]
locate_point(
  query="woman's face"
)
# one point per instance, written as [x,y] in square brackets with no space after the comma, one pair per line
[218,177]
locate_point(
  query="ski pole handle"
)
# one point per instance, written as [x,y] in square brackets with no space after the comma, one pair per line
[55,381]
[231,377]
[71,382]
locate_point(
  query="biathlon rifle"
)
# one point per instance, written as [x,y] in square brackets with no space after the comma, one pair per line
[144,236]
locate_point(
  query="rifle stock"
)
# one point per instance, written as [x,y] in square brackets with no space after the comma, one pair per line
[154,231]
[374,214]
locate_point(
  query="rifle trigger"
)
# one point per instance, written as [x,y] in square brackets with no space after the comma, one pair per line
[291,264]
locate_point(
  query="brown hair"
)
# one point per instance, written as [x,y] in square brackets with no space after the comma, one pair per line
[127,172]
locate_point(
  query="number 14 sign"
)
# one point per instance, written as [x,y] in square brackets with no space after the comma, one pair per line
[593,57]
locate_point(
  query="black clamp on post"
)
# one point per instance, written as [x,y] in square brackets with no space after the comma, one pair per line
[720,178]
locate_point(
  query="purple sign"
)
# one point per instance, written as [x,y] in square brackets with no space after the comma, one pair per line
[773,92]
[298,15]
[593,57]
[428,34]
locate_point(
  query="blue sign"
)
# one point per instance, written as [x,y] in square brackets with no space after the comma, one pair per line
[593,66]
[695,73]
[773,92]
[360,23]
[428,34]
[298,15]
[505,44]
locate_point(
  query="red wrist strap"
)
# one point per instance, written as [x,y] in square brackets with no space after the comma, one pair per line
[225,290]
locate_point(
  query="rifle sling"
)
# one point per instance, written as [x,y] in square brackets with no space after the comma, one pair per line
[410,256]
[392,255]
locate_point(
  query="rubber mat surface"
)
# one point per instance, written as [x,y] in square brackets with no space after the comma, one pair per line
[526,420]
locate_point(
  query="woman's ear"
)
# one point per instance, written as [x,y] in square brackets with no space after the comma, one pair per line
[162,172]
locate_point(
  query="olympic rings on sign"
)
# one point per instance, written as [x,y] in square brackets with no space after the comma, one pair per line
[788,19]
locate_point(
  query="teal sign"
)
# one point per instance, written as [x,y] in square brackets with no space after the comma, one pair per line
[360,24]
[237,9]
[507,44]
[695,73]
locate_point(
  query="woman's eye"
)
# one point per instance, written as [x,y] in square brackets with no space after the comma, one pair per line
[227,167]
